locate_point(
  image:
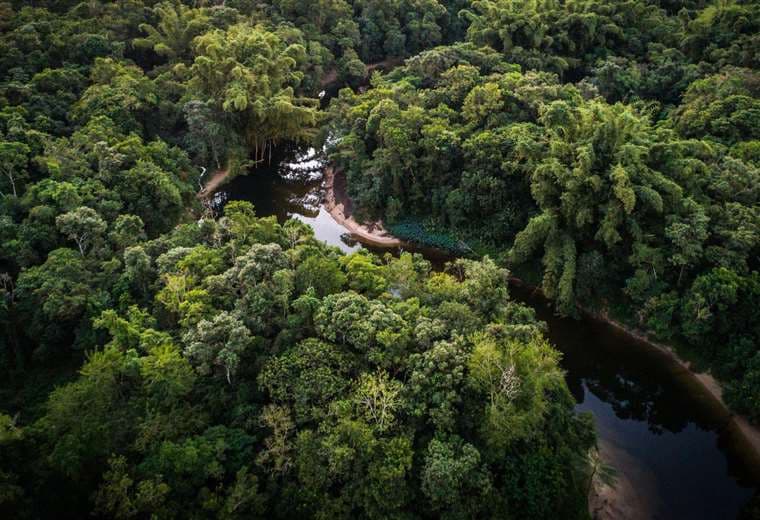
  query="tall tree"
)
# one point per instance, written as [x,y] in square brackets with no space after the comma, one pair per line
[250,76]
[177,26]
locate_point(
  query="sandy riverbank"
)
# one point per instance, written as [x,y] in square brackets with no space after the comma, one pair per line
[625,499]
[738,426]
[336,202]
[628,497]
[218,178]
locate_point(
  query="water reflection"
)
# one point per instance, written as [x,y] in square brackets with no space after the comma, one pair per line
[660,429]
[328,230]
[674,455]
[290,186]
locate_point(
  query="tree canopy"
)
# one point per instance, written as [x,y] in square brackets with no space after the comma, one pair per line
[159,360]
[600,140]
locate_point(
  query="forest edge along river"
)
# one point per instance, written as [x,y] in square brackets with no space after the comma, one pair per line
[676,450]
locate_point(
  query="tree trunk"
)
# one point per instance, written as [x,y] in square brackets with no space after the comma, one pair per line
[216,157]
[13,182]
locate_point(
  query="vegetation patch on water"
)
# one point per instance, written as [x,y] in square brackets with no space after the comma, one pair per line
[429,235]
[239,368]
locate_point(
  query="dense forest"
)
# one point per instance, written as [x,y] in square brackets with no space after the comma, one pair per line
[159,360]
[610,151]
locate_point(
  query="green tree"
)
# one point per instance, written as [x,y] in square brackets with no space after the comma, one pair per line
[173,35]
[127,230]
[289,378]
[82,225]
[321,273]
[13,162]
[152,194]
[218,344]
[250,75]
[516,378]
[454,479]
[52,297]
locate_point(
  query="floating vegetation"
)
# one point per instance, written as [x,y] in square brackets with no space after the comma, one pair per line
[427,234]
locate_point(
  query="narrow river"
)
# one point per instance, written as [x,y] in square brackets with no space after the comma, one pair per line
[670,444]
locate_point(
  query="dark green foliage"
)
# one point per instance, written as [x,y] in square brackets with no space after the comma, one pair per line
[238,381]
[234,368]
[238,368]
[623,157]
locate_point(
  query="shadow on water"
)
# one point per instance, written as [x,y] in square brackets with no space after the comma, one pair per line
[651,414]
[666,436]
[290,186]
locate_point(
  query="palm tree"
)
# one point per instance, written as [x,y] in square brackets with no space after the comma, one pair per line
[173,35]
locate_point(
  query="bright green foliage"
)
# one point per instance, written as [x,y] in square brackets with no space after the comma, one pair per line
[629,180]
[320,273]
[120,92]
[237,367]
[174,33]
[586,187]
[250,74]
[723,107]
[364,276]
[82,225]
[563,37]
[219,343]
[516,377]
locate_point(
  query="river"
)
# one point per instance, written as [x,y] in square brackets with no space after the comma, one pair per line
[671,445]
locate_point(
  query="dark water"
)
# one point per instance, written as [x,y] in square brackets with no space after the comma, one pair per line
[661,430]
[675,451]
[289,187]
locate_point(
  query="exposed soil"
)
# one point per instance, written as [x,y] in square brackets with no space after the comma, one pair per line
[218,178]
[337,202]
[623,500]
[626,497]
[748,433]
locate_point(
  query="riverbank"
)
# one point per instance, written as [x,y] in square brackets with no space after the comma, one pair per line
[742,433]
[338,204]
[218,178]
[640,415]
[628,497]
[621,501]
[737,425]
[330,80]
